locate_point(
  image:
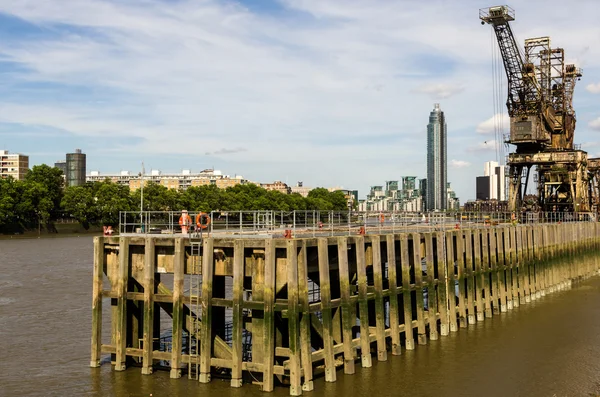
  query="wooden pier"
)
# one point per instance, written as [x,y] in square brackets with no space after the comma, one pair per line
[282,311]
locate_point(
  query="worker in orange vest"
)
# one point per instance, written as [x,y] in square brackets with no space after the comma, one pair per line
[185,222]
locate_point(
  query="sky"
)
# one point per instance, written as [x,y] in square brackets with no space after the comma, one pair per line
[328,92]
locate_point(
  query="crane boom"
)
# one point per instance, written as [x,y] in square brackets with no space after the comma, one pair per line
[523,97]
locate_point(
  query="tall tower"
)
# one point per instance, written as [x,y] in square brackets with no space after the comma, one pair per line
[75,168]
[437,163]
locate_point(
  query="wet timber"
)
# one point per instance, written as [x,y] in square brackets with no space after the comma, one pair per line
[278,312]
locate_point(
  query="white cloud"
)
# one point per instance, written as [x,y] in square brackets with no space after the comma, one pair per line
[189,78]
[226,151]
[595,124]
[501,121]
[459,164]
[439,90]
[593,88]
[587,145]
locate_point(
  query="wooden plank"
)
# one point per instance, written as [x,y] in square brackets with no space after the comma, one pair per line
[293,319]
[421,330]
[305,328]
[269,316]
[149,271]
[406,294]
[177,332]
[393,287]
[361,269]
[379,309]
[121,312]
[98,274]
[324,283]
[348,317]
[206,344]
[238,321]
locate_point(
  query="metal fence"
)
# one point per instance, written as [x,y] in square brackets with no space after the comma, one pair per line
[307,223]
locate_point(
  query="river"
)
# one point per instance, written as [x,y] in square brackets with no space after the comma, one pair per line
[550,347]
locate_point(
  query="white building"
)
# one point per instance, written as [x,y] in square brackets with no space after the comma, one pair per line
[492,185]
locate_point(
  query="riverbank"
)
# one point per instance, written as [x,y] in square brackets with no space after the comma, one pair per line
[63,229]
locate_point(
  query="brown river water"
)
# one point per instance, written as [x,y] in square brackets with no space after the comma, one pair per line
[550,347]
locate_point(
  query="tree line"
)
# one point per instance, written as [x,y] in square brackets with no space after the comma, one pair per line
[41,199]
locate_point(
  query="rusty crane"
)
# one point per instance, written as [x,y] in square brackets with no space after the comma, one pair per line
[542,122]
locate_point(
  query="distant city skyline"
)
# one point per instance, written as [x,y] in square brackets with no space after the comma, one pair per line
[334,91]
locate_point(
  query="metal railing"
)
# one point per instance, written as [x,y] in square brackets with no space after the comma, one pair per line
[330,223]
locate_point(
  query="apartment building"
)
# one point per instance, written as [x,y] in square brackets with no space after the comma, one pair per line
[179,181]
[13,165]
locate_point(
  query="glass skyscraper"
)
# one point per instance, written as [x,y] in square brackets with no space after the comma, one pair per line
[437,163]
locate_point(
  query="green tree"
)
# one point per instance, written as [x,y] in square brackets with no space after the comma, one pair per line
[10,218]
[111,199]
[44,186]
[79,202]
[157,198]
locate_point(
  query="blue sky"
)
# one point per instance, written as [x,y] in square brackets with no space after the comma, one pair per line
[329,92]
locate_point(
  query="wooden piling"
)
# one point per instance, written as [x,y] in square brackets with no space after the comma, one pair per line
[393,288]
[485,273]
[514,265]
[431,292]
[462,274]
[269,317]
[98,274]
[348,317]
[121,315]
[501,246]
[406,293]
[361,269]
[149,271]
[293,319]
[330,374]
[177,331]
[206,341]
[305,324]
[417,265]
[237,314]
[495,279]
[441,265]
[379,309]
[452,296]
[470,274]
